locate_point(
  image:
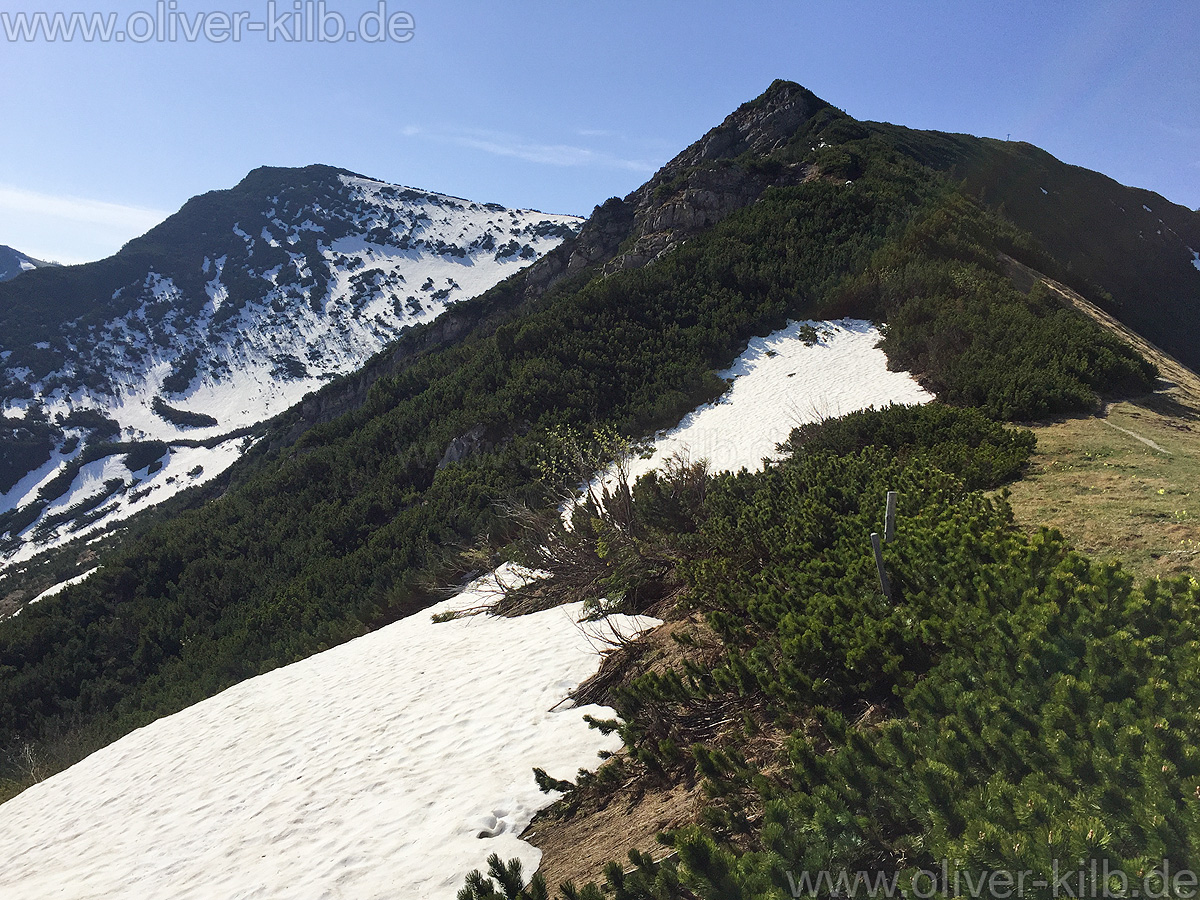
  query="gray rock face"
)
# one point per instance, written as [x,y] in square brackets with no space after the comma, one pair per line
[474,441]
[760,126]
[695,190]
[700,198]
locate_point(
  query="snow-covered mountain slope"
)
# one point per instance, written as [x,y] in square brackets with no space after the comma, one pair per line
[124,381]
[14,262]
[388,767]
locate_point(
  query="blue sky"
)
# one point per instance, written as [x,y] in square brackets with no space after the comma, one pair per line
[559,104]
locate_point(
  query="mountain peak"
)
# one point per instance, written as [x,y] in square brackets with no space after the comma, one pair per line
[697,188]
[780,93]
[269,176]
[14,262]
[223,315]
[759,126]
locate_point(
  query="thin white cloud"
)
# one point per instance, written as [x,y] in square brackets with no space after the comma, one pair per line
[564,155]
[69,229]
[1178,129]
[78,209]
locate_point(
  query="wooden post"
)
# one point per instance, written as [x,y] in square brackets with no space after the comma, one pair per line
[877,545]
[889,520]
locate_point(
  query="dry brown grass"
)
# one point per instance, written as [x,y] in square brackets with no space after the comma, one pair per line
[578,848]
[1113,496]
[576,844]
[1123,485]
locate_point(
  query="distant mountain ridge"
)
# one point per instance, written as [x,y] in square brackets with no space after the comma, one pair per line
[1134,251]
[1131,250]
[14,262]
[220,317]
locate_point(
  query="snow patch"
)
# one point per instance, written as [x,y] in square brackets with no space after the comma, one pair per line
[778,383]
[50,592]
[184,467]
[90,482]
[1195,258]
[387,767]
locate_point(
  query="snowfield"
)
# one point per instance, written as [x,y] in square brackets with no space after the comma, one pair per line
[182,467]
[779,382]
[388,767]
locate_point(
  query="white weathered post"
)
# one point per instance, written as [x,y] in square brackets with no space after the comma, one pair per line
[889,519]
[877,545]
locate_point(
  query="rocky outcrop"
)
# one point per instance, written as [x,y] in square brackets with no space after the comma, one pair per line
[760,126]
[694,191]
[709,180]
[465,445]
[696,200]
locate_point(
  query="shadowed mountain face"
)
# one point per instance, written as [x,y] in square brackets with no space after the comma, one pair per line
[14,262]
[1135,252]
[222,316]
